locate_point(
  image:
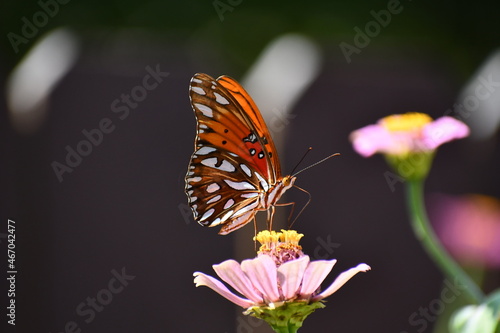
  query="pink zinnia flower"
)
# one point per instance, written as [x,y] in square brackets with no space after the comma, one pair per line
[262,283]
[407,133]
[469,227]
[279,276]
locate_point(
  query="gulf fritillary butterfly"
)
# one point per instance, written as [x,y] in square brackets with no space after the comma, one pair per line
[234,171]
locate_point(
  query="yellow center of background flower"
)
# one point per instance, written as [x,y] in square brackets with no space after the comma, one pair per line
[407,122]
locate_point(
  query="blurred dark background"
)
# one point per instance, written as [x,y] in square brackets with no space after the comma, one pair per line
[122,209]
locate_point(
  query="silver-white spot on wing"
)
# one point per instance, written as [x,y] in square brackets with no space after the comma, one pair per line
[215,222]
[198,90]
[207,112]
[213,187]
[196,80]
[224,166]
[247,208]
[214,199]
[246,170]
[205,150]
[207,214]
[228,203]
[263,182]
[226,216]
[192,199]
[194,179]
[239,185]
[221,100]
[250,195]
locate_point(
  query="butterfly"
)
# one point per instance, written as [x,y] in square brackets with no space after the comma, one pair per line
[234,171]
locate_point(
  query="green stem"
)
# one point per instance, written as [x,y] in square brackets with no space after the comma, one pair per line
[288,329]
[425,234]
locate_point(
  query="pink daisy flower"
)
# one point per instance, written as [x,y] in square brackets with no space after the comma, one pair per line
[280,275]
[412,132]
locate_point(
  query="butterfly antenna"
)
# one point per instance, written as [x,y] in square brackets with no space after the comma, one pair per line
[303,156]
[312,165]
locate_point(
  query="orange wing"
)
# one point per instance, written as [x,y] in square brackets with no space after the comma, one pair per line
[235,161]
[254,120]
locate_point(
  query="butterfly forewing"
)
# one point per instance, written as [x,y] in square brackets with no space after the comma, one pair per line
[254,121]
[235,161]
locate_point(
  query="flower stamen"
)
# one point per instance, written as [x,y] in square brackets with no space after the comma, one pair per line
[281,246]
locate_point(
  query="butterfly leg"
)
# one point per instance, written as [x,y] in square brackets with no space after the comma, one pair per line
[270,217]
[303,208]
[255,233]
[291,210]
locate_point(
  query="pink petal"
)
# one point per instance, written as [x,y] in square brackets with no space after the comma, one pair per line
[217,286]
[443,130]
[290,276]
[341,280]
[370,140]
[262,273]
[230,272]
[315,273]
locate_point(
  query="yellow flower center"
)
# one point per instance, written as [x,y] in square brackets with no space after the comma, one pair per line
[290,236]
[407,122]
[268,238]
[282,246]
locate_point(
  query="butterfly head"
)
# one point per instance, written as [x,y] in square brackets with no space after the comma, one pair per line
[288,181]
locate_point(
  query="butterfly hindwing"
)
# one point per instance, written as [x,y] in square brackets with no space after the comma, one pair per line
[218,192]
